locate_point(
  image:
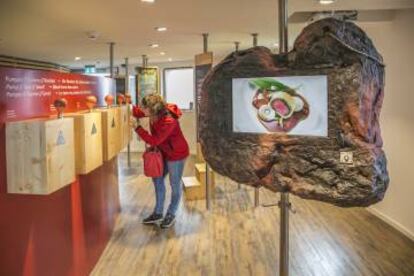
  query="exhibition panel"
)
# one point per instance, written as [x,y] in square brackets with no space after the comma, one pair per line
[62,223]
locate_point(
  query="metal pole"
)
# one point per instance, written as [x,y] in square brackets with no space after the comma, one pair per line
[205,42]
[283,27]
[111,59]
[128,106]
[208,188]
[254,35]
[284,206]
[256,189]
[126,75]
[144,61]
[284,203]
[236,46]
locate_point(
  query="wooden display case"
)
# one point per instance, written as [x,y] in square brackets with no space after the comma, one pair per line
[88,141]
[40,155]
[111,132]
[126,131]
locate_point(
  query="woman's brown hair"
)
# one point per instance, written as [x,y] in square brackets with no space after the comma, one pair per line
[154,102]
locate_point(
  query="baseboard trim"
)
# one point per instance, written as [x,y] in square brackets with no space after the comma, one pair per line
[400,228]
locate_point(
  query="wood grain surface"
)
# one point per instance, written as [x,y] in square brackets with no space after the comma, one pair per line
[88,141]
[40,155]
[111,132]
[126,130]
[234,238]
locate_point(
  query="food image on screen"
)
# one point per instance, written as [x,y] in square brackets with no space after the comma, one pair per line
[295,105]
[279,107]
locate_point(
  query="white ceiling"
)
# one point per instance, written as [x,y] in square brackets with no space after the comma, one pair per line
[55,30]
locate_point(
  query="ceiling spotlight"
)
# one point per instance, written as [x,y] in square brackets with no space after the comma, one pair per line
[326,2]
[160,29]
[148,1]
[78,58]
[276,45]
[162,53]
[170,59]
[155,45]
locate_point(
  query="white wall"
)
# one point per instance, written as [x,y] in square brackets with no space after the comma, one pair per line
[395,41]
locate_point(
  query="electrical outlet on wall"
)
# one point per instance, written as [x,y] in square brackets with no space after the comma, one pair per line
[346,157]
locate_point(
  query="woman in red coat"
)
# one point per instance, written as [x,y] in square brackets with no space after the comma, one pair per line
[165,134]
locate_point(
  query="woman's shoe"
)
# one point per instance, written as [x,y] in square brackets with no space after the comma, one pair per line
[153,218]
[168,221]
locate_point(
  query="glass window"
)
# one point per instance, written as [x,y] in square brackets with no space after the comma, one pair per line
[179,87]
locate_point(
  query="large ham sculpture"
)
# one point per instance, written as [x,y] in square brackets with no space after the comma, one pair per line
[309,167]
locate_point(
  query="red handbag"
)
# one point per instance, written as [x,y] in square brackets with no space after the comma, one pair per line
[153,162]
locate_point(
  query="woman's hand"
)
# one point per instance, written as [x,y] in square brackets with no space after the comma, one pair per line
[134,122]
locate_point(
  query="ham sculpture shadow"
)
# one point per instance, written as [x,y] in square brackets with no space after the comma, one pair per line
[306,166]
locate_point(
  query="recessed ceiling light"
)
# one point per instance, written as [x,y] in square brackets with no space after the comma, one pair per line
[160,29]
[276,45]
[148,1]
[170,59]
[154,45]
[78,58]
[162,53]
[326,2]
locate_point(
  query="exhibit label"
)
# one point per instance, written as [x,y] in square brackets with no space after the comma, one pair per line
[26,93]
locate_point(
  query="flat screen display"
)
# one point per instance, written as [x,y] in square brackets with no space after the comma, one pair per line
[293,105]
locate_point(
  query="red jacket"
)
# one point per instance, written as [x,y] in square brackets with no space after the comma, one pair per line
[166,133]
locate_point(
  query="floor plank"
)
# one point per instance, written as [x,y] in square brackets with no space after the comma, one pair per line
[235,238]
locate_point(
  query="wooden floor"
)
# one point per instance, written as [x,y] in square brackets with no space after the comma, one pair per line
[234,238]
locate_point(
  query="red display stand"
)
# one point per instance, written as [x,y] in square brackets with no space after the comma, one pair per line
[63,233]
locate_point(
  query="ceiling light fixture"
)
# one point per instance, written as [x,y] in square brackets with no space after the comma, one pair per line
[161,29]
[326,2]
[162,53]
[170,59]
[148,1]
[154,45]
[78,58]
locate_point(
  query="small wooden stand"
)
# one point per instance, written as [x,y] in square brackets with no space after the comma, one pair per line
[40,155]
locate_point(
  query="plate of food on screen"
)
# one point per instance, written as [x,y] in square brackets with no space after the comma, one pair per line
[279,107]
